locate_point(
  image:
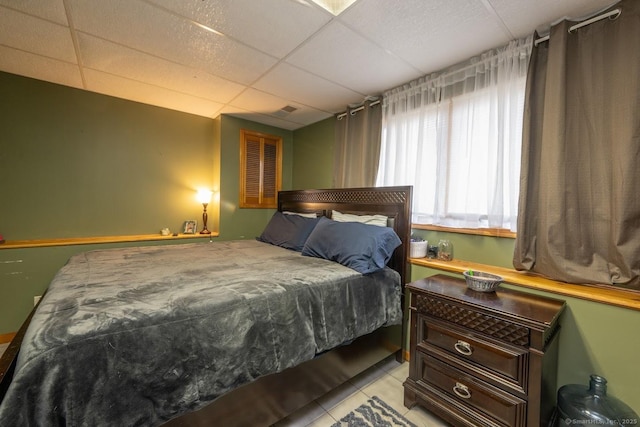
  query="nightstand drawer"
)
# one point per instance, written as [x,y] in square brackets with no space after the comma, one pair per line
[467,390]
[508,361]
[462,315]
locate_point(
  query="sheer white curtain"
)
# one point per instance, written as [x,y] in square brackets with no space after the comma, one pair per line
[456,137]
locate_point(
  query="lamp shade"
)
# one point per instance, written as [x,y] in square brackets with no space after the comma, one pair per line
[204,196]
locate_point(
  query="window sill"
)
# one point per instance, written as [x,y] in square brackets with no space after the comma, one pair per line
[19,244]
[492,232]
[601,294]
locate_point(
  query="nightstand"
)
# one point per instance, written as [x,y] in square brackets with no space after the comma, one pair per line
[482,359]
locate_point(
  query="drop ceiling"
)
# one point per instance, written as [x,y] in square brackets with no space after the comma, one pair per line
[258,59]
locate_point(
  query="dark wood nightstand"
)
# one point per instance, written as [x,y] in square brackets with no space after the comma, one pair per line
[482,359]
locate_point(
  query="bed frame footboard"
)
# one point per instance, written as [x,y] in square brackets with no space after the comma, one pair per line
[273,397]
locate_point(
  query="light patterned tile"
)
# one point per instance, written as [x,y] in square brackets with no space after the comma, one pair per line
[400,372]
[348,405]
[390,390]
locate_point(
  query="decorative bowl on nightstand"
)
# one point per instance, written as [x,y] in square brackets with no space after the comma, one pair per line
[482,282]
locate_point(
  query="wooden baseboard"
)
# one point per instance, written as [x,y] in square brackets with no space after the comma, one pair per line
[5,338]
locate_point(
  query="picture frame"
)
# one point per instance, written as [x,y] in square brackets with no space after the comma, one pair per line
[190,226]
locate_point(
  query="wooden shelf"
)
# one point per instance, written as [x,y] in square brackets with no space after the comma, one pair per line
[598,293]
[19,244]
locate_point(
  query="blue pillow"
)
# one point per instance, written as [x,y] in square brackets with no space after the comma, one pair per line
[362,247]
[288,231]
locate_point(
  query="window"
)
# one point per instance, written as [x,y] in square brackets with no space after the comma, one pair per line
[260,169]
[456,138]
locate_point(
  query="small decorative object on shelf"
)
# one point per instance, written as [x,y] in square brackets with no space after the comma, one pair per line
[432,251]
[418,248]
[190,227]
[445,250]
[165,232]
[482,282]
[579,405]
[1,239]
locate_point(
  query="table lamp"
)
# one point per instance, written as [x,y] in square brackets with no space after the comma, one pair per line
[204,197]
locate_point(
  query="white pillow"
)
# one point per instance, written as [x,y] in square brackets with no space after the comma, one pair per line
[379,220]
[306,215]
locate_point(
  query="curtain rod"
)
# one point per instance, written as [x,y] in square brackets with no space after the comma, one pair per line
[609,15]
[355,110]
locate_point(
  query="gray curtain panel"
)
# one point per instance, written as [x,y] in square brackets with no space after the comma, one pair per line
[357,149]
[579,209]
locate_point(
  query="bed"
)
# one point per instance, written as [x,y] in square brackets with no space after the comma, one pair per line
[182,335]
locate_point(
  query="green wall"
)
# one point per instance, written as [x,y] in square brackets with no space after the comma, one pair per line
[594,338]
[313,153]
[75,163]
[236,223]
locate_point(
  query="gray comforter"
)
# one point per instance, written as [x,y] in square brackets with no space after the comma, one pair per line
[137,336]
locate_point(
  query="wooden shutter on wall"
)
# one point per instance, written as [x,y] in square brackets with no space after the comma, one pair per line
[260,169]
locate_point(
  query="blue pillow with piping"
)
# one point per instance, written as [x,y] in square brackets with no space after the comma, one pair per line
[288,231]
[362,247]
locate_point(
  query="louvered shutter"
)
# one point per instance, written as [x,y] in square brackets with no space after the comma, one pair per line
[260,169]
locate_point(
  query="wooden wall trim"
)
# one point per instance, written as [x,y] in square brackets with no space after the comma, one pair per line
[70,241]
[598,293]
[5,338]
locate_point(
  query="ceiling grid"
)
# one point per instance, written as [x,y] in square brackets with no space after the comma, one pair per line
[252,58]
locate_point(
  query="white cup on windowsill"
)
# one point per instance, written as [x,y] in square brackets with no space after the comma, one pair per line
[418,249]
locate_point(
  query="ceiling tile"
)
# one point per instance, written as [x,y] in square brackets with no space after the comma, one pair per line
[297,85]
[306,115]
[519,15]
[259,101]
[275,27]
[39,67]
[51,10]
[115,59]
[430,35]
[260,118]
[35,35]
[155,31]
[364,66]
[264,103]
[120,87]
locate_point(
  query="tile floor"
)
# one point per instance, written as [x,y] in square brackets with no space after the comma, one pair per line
[383,380]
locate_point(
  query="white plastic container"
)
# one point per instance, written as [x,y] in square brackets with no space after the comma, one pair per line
[418,249]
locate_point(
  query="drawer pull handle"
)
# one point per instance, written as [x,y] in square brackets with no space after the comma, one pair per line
[462,391]
[463,347]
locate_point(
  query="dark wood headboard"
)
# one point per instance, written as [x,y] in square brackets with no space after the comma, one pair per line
[393,202]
